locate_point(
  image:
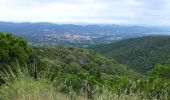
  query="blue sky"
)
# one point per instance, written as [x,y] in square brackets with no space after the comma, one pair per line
[140,12]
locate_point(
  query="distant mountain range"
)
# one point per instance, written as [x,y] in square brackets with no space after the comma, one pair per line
[49,33]
[44,27]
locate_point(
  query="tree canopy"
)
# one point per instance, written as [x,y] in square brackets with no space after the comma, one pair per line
[12,48]
[140,54]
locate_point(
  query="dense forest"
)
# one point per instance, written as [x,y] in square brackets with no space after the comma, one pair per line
[140,54]
[63,72]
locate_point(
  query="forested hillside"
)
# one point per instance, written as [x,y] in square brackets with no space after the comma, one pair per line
[62,72]
[140,54]
[77,65]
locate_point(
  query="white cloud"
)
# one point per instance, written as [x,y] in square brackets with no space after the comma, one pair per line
[87,11]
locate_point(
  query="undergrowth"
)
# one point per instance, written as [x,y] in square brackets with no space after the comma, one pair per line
[20,84]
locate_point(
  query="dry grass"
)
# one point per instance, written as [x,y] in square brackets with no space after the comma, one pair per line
[21,86]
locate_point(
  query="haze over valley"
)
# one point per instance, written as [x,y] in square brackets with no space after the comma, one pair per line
[78,35]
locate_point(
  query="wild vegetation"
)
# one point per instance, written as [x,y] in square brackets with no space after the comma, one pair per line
[140,54]
[12,48]
[20,85]
[60,72]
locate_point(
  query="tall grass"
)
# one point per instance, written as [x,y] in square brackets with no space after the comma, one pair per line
[29,83]
[20,85]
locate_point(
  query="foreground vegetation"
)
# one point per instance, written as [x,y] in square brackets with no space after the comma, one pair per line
[21,85]
[59,72]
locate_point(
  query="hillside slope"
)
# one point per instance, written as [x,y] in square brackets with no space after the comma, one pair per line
[58,72]
[77,59]
[140,54]
[76,66]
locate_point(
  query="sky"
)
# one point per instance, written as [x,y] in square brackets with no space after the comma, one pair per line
[140,12]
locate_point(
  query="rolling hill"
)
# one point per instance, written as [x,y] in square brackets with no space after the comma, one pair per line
[76,66]
[140,54]
[61,72]
[77,59]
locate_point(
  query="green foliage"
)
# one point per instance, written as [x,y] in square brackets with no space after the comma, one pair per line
[12,48]
[161,71]
[76,66]
[76,73]
[21,85]
[158,82]
[140,54]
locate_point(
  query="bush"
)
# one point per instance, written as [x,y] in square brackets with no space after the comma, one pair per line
[12,48]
